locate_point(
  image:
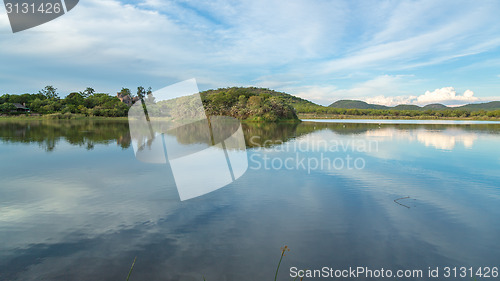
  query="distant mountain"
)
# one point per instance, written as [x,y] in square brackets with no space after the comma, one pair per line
[357,104]
[435,106]
[494,105]
[229,96]
[407,107]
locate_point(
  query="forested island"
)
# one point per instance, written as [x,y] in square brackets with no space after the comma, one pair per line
[244,103]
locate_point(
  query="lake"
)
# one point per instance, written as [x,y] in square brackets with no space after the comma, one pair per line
[76,204]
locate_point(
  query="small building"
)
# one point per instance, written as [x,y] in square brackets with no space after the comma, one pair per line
[21,107]
[127,99]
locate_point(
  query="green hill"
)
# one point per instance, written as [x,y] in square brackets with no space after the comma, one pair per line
[254,104]
[407,107]
[355,104]
[286,98]
[262,104]
[435,106]
[494,105]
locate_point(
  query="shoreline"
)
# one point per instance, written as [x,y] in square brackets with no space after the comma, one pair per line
[334,116]
[301,117]
[49,117]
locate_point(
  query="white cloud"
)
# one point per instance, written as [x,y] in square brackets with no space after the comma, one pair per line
[221,43]
[215,42]
[446,95]
[318,94]
[327,94]
[390,101]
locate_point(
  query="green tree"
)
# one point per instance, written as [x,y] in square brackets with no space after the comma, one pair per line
[37,104]
[49,92]
[141,93]
[88,92]
[75,99]
[4,98]
[125,91]
[7,107]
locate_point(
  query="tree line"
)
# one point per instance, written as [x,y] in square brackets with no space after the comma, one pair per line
[243,103]
[86,102]
[435,113]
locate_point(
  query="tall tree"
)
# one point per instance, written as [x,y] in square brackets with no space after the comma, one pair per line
[88,92]
[141,92]
[49,92]
[126,91]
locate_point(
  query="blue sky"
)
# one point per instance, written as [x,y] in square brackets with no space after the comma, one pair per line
[386,52]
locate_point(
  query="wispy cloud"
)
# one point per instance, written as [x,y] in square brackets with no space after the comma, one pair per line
[300,46]
[323,95]
[415,35]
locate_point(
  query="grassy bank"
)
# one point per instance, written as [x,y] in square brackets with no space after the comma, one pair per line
[58,116]
[72,116]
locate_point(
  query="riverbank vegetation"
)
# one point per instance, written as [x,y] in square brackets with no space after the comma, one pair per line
[308,110]
[236,102]
[249,104]
[363,110]
[444,113]
[47,102]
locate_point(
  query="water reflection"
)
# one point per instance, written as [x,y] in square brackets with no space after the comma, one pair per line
[80,214]
[49,133]
[445,139]
[88,133]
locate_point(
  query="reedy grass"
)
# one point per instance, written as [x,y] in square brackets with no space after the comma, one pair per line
[283,250]
[131,268]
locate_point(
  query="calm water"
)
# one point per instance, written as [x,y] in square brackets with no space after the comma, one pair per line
[75,204]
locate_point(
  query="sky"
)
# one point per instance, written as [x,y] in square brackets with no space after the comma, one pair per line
[384,52]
